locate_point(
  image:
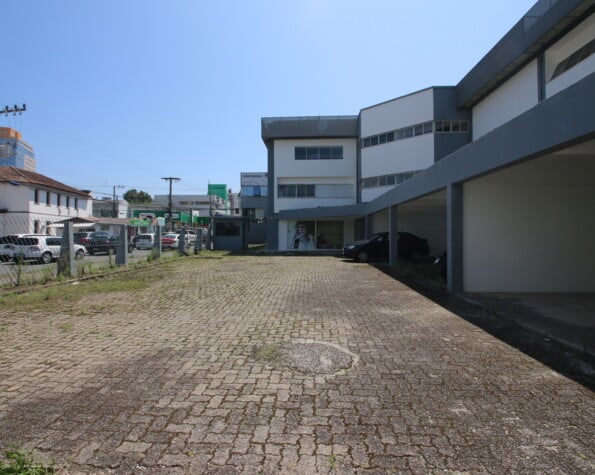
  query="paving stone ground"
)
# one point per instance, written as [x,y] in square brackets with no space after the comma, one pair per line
[182,377]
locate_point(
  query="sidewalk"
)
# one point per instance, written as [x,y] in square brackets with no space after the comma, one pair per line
[279,364]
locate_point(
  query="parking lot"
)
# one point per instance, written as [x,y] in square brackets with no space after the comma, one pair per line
[291,364]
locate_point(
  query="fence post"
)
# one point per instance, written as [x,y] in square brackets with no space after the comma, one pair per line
[122,248]
[67,254]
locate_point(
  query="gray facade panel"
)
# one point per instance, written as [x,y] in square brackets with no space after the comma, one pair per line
[309,127]
[560,121]
[445,144]
[271,222]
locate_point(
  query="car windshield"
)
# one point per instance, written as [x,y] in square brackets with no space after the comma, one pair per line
[99,235]
[170,235]
[145,237]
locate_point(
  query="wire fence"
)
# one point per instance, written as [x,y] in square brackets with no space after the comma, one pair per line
[35,249]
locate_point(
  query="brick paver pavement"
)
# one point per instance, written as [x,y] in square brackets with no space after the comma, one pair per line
[170,380]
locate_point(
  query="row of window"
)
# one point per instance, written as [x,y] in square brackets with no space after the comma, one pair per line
[315,191]
[387,180]
[437,126]
[258,190]
[575,58]
[66,201]
[319,153]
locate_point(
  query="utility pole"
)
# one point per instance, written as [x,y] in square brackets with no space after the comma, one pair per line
[114,212]
[171,179]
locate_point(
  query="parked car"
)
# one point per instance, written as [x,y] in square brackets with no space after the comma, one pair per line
[377,247]
[100,243]
[170,241]
[7,246]
[80,237]
[42,248]
[145,241]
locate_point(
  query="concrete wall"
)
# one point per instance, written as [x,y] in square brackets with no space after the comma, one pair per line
[517,95]
[563,48]
[530,228]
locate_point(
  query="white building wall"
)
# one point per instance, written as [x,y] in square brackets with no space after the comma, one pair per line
[288,170]
[576,39]
[415,153]
[515,96]
[401,112]
[531,228]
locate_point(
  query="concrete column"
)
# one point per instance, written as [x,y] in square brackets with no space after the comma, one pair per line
[122,249]
[454,237]
[393,232]
[67,254]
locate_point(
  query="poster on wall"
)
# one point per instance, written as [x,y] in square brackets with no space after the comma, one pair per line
[301,235]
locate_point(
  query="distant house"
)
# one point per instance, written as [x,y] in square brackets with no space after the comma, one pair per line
[31,202]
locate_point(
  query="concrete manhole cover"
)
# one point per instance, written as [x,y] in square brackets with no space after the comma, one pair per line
[309,356]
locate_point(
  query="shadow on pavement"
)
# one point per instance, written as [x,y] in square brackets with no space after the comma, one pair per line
[564,359]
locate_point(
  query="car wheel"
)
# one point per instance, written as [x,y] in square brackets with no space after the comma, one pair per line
[362,256]
[46,258]
[79,254]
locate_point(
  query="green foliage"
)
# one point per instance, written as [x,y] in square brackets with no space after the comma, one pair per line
[22,463]
[137,197]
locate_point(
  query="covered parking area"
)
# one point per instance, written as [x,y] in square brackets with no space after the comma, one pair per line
[515,209]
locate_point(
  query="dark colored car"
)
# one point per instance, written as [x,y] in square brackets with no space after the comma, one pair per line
[101,243]
[376,247]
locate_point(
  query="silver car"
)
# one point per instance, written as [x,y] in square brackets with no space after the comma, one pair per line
[42,248]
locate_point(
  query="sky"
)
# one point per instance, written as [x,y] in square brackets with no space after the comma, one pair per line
[122,93]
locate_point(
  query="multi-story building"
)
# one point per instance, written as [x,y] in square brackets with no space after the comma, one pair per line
[254,195]
[204,205]
[498,170]
[33,203]
[14,151]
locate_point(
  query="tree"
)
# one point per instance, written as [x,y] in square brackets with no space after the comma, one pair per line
[137,197]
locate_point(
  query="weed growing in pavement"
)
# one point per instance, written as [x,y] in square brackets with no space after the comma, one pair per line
[22,463]
[267,352]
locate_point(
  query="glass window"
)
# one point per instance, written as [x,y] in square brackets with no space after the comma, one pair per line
[36,196]
[399,134]
[367,142]
[374,140]
[382,181]
[390,180]
[337,153]
[301,153]
[455,126]
[329,234]
[438,126]
[407,132]
[68,201]
[390,137]
[325,153]
[428,128]
[418,129]
[446,126]
[464,126]
[382,138]
[227,229]
[48,198]
[76,203]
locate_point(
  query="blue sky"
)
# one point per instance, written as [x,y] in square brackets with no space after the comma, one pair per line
[124,92]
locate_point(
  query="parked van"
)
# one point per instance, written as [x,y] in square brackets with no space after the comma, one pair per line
[145,241]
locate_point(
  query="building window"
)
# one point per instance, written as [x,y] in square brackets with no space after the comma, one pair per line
[227,229]
[575,58]
[455,126]
[387,180]
[36,196]
[48,198]
[316,191]
[76,203]
[318,153]
[58,199]
[68,201]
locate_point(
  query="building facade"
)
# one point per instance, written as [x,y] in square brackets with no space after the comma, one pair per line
[33,203]
[14,151]
[499,170]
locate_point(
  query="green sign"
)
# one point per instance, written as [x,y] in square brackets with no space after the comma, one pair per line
[139,222]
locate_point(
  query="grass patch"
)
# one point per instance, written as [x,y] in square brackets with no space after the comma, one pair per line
[267,353]
[23,463]
[45,298]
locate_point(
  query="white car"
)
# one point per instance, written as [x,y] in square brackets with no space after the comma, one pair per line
[145,241]
[42,248]
[7,246]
